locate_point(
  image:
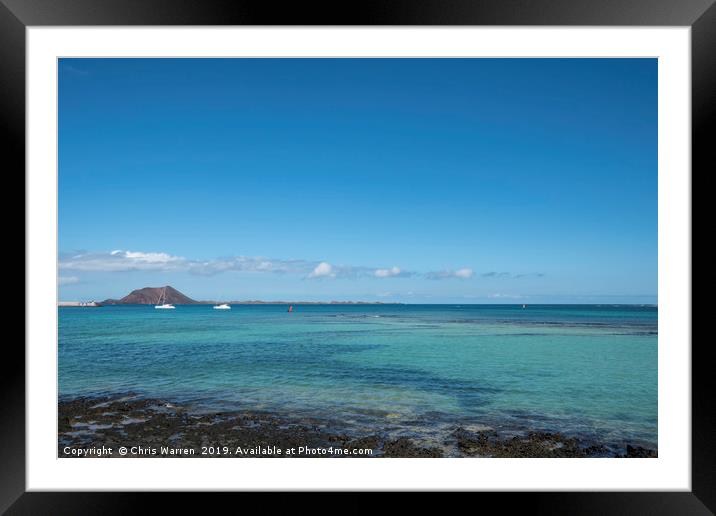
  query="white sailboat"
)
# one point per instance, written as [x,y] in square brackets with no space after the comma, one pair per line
[164,305]
[222,306]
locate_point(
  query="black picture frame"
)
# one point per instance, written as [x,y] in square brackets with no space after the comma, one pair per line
[700,15]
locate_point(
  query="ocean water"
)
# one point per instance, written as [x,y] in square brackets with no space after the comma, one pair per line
[588,371]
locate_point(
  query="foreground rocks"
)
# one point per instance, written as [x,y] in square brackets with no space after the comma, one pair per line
[536,444]
[134,427]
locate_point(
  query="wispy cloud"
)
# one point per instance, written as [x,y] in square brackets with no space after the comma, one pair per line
[510,275]
[326,270]
[495,274]
[124,261]
[505,296]
[67,280]
[464,273]
[256,264]
[121,260]
[393,272]
[117,261]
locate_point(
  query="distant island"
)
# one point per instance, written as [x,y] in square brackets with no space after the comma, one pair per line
[152,296]
[168,294]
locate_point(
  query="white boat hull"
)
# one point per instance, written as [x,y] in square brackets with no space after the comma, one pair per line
[222,307]
[165,307]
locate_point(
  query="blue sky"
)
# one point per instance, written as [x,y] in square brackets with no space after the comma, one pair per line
[411,180]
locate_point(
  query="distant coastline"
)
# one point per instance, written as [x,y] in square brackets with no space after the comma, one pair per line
[248,302]
[152,296]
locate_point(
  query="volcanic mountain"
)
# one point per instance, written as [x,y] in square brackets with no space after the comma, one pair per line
[151,296]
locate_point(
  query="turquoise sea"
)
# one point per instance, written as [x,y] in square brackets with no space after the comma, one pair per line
[587,371]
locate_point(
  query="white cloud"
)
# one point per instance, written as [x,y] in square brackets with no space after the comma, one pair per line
[323,270]
[67,280]
[464,273]
[387,273]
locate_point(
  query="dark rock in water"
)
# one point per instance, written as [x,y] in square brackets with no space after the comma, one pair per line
[533,445]
[472,443]
[372,442]
[63,424]
[596,450]
[404,447]
[638,452]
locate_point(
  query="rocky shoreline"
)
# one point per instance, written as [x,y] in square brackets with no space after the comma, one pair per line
[132,427]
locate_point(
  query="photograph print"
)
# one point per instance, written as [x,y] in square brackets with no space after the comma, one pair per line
[357,258]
